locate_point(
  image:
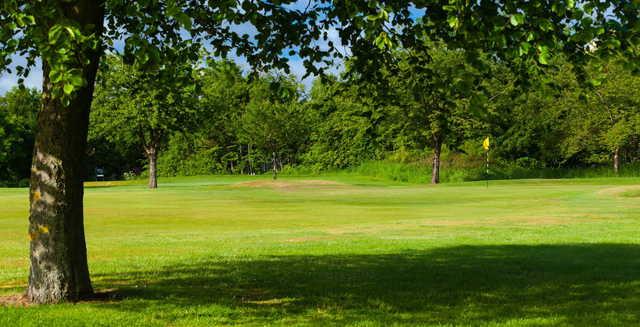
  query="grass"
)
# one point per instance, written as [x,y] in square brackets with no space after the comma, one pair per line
[353,251]
[457,170]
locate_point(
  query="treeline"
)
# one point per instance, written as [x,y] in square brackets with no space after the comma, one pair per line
[422,110]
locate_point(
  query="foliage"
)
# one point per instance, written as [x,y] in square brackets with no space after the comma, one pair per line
[138,107]
[274,122]
[18,109]
[513,29]
[240,124]
[532,123]
[347,126]
[608,123]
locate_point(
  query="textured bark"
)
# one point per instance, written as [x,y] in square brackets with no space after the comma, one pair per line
[616,160]
[152,156]
[58,254]
[435,172]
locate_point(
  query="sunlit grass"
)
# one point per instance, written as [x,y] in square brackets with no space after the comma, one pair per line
[347,251]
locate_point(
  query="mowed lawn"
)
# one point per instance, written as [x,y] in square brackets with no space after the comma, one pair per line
[343,251]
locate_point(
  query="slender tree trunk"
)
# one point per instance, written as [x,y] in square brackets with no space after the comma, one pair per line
[250,159]
[274,163]
[58,253]
[616,160]
[152,156]
[435,172]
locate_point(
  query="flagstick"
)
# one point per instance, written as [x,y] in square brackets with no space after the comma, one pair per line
[487,172]
[486,144]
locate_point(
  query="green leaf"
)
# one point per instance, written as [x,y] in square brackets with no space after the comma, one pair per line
[72,32]
[384,15]
[383,41]
[54,34]
[68,89]
[372,18]
[517,19]
[30,19]
[75,77]
[184,20]
[453,22]
[543,54]
[524,48]
[449,8]
[55,75]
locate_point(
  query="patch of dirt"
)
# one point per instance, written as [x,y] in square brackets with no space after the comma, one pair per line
[630,191]
[21,300]
[18,300]
[288,185]
[272,302]
[309,239]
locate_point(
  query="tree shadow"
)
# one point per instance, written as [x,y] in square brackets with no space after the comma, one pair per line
[574,284]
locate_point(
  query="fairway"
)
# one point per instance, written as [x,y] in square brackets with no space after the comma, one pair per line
[346,251]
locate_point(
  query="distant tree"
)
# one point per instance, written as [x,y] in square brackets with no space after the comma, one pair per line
[224,96]
[141,106]
[609,120]
[530,124]
[212,144]
[275,123]
[351,124]
[18,110]
[438,85]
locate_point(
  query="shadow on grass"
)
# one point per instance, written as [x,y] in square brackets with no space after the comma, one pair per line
[590,284]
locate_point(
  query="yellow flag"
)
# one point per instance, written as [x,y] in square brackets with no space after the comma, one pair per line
[485,144]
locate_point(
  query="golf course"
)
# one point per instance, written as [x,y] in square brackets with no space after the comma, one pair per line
[344,250]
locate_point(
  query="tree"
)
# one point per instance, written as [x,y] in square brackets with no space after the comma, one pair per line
[70,37]
[608,121]
[138,106]
[212,145]
[531,125]
[440,84]
[275,124]
[353,123]
[18,108]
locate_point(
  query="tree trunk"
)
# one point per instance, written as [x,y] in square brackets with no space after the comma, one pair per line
[152,156]
[616,160]
[58,253]
[274,163]
[435,172]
